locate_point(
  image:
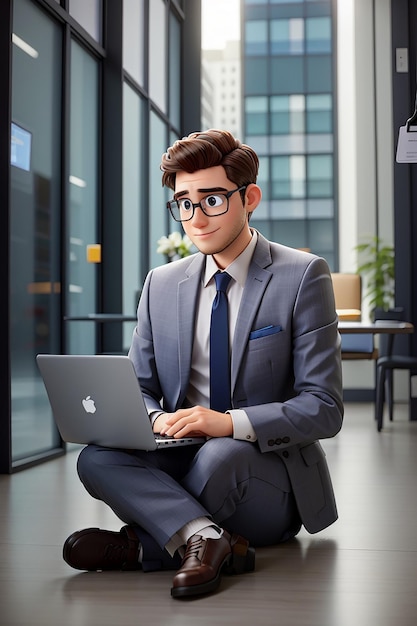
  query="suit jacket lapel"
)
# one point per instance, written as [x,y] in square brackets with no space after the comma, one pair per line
[186,307]
[256,283]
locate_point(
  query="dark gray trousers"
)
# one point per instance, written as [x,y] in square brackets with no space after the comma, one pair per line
[158,492]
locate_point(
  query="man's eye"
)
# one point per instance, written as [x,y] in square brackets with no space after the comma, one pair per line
[213,201]
[185,204]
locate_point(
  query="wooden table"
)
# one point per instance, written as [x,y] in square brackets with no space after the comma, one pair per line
[380,327]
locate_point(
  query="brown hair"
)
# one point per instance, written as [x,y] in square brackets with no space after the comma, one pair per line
[208,149]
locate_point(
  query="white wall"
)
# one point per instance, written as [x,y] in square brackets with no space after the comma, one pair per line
[366,154]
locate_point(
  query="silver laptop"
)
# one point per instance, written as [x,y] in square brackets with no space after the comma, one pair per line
[97,399]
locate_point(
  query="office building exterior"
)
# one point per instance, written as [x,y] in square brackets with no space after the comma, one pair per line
[289,111]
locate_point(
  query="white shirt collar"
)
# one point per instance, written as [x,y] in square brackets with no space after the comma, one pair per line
[238,269]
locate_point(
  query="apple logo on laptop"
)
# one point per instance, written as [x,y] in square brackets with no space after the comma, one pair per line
[88,404]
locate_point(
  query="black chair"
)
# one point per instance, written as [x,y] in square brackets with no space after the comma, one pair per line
[385,366]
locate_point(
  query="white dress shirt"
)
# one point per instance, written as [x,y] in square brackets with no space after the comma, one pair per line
[199,385]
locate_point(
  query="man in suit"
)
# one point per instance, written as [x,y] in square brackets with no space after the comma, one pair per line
[261,472]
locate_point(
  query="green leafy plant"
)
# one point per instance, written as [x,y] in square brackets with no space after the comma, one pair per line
[376,265]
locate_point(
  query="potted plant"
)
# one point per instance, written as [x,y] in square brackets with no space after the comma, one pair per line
[376,265]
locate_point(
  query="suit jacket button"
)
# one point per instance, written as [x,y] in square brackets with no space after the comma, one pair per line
[286,454]
[278,441]
[286,440]
[271,442]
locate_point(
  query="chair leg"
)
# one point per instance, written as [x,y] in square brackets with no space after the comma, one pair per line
[379,404]
[389,392]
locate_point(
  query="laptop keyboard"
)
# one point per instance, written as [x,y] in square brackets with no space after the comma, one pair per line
[169,439]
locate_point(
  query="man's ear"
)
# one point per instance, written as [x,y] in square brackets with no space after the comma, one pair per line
[253,196]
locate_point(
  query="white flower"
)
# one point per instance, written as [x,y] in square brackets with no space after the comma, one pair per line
[164,245]
[174,244]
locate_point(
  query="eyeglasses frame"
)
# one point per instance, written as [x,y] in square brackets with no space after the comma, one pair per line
[227,195]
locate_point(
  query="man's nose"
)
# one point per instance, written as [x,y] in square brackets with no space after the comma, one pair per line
[199,216]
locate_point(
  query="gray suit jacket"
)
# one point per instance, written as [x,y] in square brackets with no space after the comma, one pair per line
[287,379]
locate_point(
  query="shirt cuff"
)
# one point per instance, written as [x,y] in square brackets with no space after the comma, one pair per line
[242,428]
[153,415]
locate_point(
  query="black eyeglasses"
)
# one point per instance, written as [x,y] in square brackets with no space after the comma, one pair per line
[182,210]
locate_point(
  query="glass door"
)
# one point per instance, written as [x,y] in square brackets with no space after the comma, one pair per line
[81,223]
[35,223]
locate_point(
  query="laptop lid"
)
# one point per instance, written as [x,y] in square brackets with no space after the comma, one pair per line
[97,399]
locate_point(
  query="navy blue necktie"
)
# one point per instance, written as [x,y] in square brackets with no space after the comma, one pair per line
[219,347]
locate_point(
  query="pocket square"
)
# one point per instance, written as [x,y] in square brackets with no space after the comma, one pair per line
[265,331]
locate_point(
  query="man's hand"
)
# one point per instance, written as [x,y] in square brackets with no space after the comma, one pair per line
[196,421]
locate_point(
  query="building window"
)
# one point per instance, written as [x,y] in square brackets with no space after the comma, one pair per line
[287,36]
[318,35]
[256,39]
[319,113]
[320,176]
[256,109]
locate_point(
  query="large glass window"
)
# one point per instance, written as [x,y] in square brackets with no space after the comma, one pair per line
[174,71]
[82,220]
[35,223]
[158,77]
[133,30]
[134,208]
[66,110]
[158,214]
[89,15]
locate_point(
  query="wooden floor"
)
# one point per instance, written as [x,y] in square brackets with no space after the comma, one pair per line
[362,571]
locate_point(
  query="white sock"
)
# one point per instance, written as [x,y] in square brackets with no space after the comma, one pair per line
[210,532]
[201,526]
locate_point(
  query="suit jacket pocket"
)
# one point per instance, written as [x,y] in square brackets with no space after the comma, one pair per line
[264,332]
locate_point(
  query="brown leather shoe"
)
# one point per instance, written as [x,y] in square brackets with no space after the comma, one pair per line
[205,559]
[94,549]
